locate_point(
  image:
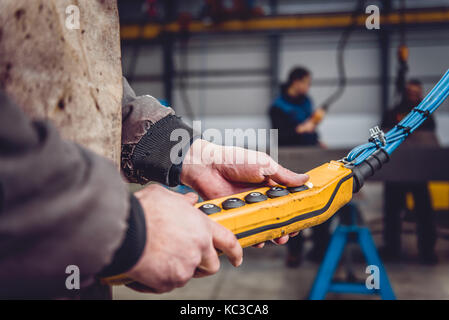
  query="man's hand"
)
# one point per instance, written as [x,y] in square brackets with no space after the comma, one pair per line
[181,242]
[215,171]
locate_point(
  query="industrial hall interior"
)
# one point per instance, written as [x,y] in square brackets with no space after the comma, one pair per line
[224,149]
[226,63]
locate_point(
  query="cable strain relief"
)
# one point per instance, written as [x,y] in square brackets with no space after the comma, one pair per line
[368,168]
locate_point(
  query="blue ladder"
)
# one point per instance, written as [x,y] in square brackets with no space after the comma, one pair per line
[323,280]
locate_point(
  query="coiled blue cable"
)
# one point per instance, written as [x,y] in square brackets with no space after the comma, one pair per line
[406,126]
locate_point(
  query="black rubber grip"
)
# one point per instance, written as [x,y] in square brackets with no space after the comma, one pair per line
[368,167]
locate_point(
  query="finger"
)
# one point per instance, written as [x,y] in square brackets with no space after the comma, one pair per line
[288,178]
[210,264]
[259,245]
[226,241]
[271,183]
[281,240]
[293,234]
[191,197]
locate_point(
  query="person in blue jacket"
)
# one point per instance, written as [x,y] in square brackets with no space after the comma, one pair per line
[291,114]
[291,111]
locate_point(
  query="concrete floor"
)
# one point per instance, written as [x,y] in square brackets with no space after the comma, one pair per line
[264,276]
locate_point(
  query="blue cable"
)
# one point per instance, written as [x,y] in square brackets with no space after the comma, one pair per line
[412,121]
[406,126]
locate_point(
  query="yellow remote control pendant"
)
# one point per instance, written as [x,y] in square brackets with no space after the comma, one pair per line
[268,213]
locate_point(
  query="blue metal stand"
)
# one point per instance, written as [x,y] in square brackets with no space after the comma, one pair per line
[323,280]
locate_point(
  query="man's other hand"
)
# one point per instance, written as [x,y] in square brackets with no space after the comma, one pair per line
[181,242]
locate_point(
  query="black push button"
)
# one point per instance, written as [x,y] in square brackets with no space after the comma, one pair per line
[298,189]
[276,192]
[232,203]
[209,208]
[254,197]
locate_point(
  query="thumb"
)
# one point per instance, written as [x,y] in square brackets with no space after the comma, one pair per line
[288,178]
[273,171]
[191,197]
[280,175]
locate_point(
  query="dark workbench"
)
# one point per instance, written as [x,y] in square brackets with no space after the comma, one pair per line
[406,164]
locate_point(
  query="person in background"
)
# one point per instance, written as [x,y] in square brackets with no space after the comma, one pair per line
[291,114]
[395,192]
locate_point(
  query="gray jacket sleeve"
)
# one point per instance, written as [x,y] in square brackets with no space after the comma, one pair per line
[60,205]
[149,137]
